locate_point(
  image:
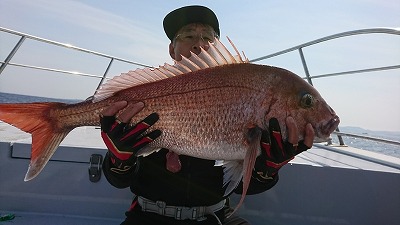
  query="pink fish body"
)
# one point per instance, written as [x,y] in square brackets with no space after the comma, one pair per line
[209,107]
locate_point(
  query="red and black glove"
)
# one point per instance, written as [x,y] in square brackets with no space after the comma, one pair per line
[275,152]
[123,141]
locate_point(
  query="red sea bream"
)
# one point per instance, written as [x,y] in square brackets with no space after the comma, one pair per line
[209,106]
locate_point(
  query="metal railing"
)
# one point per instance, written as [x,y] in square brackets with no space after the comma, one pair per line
[298,48]
[24,36]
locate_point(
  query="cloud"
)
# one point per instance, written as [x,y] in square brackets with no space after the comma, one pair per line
[90,26]
[89,17]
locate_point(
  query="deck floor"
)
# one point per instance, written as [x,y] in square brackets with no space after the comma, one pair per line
[311,190]
[24,218]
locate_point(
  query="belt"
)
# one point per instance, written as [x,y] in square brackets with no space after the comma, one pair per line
[179,212]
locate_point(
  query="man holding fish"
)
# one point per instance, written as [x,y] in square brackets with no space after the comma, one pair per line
[180,189]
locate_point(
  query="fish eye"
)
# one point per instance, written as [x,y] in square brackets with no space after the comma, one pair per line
[307,101]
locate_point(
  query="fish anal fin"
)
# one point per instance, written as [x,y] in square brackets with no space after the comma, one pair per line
[147,150]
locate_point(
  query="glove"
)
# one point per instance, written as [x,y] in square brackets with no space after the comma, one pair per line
[275,152]
[123,141]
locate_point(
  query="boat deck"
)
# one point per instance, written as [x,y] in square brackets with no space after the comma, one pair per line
[24,218]
[324,185]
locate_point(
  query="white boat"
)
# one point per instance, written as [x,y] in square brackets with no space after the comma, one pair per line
[329,184]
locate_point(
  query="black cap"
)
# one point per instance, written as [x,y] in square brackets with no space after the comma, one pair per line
[178,18]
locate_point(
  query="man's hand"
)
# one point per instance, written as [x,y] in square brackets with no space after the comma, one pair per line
[275,152]
[122,140]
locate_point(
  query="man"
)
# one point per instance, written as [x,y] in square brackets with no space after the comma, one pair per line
[189,190]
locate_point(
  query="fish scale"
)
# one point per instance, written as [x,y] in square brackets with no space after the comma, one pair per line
[203,113]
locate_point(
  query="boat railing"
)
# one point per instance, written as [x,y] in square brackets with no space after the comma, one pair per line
[24,36]
[309,77]
[299,48]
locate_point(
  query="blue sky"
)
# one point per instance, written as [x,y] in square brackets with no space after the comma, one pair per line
[133,30]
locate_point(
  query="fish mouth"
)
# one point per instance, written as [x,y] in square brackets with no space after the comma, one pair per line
[328,127]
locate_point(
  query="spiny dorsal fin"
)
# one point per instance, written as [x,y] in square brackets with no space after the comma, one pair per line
[216,55]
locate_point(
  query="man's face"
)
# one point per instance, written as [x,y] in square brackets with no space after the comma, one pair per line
[189,39]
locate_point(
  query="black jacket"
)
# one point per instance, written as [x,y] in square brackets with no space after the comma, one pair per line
[198,183]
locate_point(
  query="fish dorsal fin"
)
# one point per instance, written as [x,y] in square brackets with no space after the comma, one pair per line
[216,55]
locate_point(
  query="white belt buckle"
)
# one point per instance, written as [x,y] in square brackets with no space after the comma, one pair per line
[183,213]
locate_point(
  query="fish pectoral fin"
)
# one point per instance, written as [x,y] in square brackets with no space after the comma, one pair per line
[253,139]
[253,135]
[233,173]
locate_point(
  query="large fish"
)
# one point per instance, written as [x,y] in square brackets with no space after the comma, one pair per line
[212,106]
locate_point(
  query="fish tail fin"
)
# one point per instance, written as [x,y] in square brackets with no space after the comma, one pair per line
[35,119]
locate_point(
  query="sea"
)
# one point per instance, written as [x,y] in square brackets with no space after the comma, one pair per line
[374,146]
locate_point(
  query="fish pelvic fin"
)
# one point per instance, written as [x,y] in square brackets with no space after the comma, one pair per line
[253,139]
[34,118]
[233,173]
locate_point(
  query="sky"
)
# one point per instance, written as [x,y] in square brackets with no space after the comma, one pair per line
[133,30]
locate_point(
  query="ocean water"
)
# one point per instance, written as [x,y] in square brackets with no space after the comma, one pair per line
[387,149]
[374,146]
[16,98]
